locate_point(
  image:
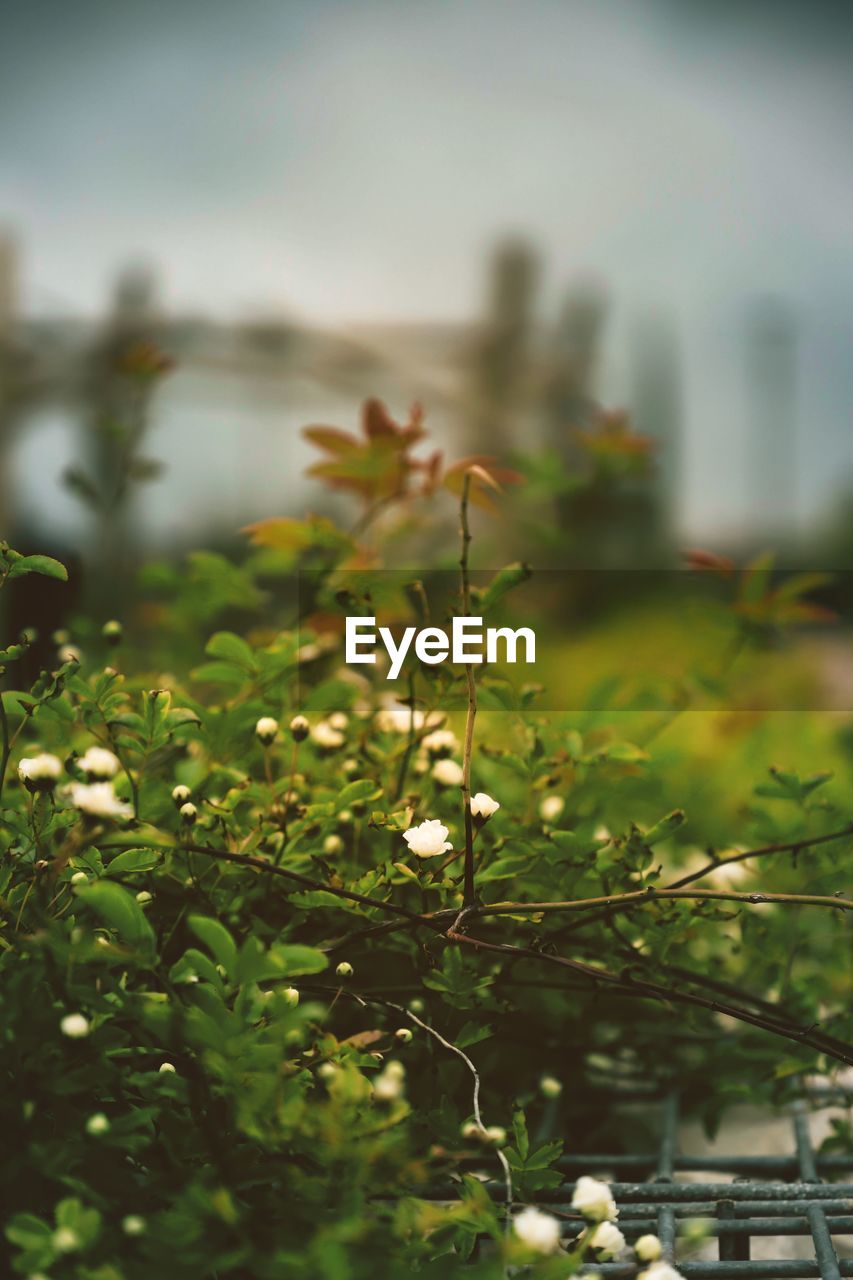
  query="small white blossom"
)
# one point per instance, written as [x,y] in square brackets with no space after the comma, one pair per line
[537,1230]
[660,1270]
[483,806]
[64,1240]
[98,800]
[299,728]
[397,719]
[326,736]
[97,1124]
[594,1200]
[648,1248]
[266,729]
[607,1240]
[388,1085]
[551,807]
[133,1225]
[441,742]
[428,840]
[39,773]
[99,764]
[550,1087]
[75,1026]
[447,773]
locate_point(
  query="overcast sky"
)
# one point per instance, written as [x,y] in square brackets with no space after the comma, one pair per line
[355,160]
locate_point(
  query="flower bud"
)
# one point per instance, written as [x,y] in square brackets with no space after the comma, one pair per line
[112,632]
[133,1225]
[188,813]
[79,877]
[144,896]
[266,730]
[648,1248]
[180,794]
[40,773]
[550,1087]
[166,1069]
[291,997]
[75,1026]
[332,845]
[345,969]
[299,728]
[97,1125]
[404,1035]
[483,806]
[495,1134]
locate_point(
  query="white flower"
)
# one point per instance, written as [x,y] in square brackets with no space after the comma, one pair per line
[97,1124]
[100,764]
[133,1225]
[483,806]
[344,969]
[98,800]
[660,1270]
[441,742]
[339,720]
[447,773]
[39,773]
[299,728]
[397,719]
[65,1240]
[326,736]
[266,729]
[551,807]
[550,1087]
[388,1085]
[291,997]
[648,1248]
[427,840]
[594,1200]
[537,1230]
[607,1240]
[75,1026]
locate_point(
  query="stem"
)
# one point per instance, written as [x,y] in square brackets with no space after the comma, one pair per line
[622,901]
[7,746]
[794,846]
[468,895]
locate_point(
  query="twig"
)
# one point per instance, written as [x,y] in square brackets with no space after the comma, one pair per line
[468,897]
[794,846]
[639,897]
[644,989]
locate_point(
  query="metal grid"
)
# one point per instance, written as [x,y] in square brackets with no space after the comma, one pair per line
[778,1196]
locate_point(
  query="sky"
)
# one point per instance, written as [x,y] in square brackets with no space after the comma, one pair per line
[355,160]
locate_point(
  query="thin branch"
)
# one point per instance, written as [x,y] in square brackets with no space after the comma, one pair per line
[468,898]
[794,846]
[639,897]
[627,985]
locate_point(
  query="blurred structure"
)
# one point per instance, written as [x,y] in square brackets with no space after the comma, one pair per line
[656,408]
[771,369]
[500,373]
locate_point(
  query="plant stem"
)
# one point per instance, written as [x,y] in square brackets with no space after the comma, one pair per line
[7,746]
[623,901]
[468,895]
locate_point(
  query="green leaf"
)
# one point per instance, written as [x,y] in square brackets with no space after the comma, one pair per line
[218,941]
[231,648]
[119,909]
[133,862]
[353,792]
[44,565]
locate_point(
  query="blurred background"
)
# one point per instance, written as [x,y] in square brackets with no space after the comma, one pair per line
[513,213]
